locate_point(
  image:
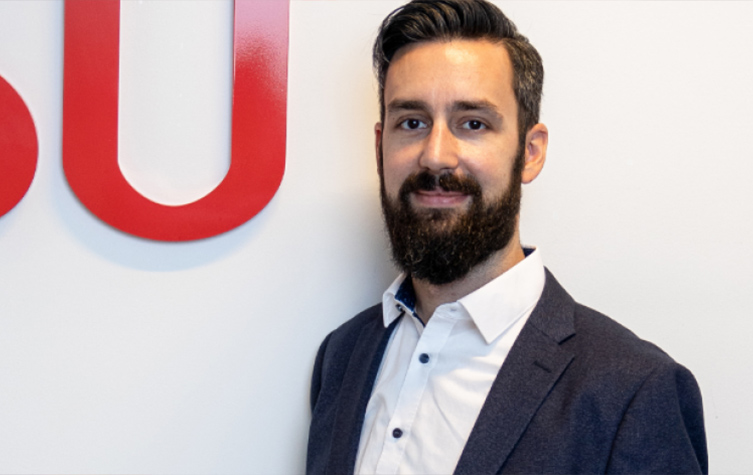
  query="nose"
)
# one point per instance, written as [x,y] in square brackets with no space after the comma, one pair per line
[439,152]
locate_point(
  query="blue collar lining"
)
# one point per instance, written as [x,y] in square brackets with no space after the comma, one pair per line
[406,295]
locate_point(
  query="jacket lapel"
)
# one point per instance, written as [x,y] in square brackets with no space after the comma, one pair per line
[527,376]
[355,392]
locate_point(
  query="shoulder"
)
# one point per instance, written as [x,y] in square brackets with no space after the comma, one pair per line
[608,348]
[599,334]
[597,342]
[645,405]
[608,362]
[336,350]
[661,426]
[344,337]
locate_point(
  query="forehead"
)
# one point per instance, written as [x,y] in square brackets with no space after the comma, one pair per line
[455,70]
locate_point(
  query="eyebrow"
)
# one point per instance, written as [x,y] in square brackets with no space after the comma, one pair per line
[403,105]
[480,105]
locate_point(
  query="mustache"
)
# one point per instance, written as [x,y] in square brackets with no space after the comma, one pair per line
[425,181]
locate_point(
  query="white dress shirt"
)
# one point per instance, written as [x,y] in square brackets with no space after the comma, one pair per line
[434,379]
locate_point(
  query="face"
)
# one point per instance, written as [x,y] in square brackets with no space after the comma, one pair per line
[449,108]
[448,149]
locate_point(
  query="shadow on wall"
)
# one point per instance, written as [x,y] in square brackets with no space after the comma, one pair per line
[144,254]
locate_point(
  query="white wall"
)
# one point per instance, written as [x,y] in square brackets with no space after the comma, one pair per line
[119,354]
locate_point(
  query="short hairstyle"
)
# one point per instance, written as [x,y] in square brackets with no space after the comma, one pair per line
[445,20]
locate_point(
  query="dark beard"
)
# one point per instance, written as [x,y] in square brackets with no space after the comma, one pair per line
[443,245]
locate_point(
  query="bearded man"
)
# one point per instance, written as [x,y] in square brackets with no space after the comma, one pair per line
[478,361]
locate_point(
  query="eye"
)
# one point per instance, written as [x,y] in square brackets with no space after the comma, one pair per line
[412,124]
[473,125]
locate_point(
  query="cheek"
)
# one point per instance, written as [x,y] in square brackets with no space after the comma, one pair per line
[395,170]
[493,176]
[393,180]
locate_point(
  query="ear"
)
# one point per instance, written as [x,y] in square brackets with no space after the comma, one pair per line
[378,145]
[537,140]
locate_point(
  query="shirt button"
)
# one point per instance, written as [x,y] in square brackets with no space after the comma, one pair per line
[399,307]
[397,433]
[424,358]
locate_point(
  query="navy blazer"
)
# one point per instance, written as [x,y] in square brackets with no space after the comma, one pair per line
[578,393]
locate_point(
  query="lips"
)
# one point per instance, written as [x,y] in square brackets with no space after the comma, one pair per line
[428,190]
[439,198]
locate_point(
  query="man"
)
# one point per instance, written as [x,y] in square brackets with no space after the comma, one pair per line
[477,361]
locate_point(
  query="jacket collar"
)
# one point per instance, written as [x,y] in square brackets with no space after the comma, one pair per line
[533,366]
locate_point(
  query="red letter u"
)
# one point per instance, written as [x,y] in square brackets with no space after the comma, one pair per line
[90,124]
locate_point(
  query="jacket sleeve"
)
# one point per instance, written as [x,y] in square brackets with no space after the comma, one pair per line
[662,430]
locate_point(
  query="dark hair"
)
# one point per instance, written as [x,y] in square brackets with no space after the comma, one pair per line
[444,20]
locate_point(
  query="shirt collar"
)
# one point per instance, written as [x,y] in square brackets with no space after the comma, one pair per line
[493,308]
[398,298]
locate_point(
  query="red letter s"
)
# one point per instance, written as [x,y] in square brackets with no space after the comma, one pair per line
[90,124]
[18,148]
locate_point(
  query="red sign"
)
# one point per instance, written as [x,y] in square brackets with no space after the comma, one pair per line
[90,124]
[18,148]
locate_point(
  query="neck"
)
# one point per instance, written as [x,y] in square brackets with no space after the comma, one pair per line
[430,296]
